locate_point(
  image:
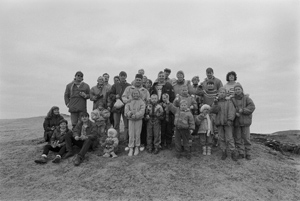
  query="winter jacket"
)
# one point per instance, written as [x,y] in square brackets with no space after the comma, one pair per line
[99,94]
[217,83]
[224,111]
[183,119]
[127,95]
[53,121]
[203,123]
[116,89]
[59,136]
[246,104]
[207,96]
[177,86]
[166,88]
[100,116]
[73,100]
[189,99]
[91,130]
[155,111]
[137,108]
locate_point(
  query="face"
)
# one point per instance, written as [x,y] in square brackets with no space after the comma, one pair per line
[138,82]
[100,80]
[161,77]
[195,81]
[145,79]
[63,125]
[222,94]
[166,74]
[184,91]
[148,84]
[180,77]
[205,112]
[123,78]
[85,119]
[141,71]
[56,111]
[106,77]
[154,99]
[100,107]
[210,86]
[183,106]
[79,77]
[209,75]
[231,77]
[238,90]
[135,95]
[164,98]
[116,80]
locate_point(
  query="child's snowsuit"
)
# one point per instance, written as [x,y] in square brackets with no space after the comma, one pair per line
[100,117]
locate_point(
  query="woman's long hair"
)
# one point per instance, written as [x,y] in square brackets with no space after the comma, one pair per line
[50,113]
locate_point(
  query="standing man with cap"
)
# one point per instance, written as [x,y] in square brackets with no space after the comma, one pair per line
[116,93]
[210,76]
[76,94]
[140,71]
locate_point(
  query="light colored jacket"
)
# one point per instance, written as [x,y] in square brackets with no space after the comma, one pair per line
[135,107]
[100,116]
[127,95]
[183,119]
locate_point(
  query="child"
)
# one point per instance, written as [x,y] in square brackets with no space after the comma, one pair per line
[191,102]
[57,143]
[244,108]
[134,111]
[51,122]
[166,124]
[205,129]
[184,125]
[100,116]
[154,112]
[111,143]
[225,114]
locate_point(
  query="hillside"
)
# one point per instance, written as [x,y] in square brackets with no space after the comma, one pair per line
[147,177]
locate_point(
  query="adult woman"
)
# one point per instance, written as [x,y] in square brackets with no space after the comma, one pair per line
[231,82]
[51,122]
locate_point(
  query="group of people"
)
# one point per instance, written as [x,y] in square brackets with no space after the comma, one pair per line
[154,113]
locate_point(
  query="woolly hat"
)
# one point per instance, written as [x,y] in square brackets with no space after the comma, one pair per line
[78,73]
[195,77]
[204,107]
[167,70]
[239,85]
[139,76]
[180,72]
[112,131]
[123,73]
[222,89]
[63,120]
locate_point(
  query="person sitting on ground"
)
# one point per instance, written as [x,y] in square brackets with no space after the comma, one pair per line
[111,143]
[51,122]
[83,136]
[57,143]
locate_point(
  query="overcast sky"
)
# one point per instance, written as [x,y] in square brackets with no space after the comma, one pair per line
[43,44]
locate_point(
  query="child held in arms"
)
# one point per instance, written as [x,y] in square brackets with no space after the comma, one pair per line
[154,113]
[134,111]
[111,143]
[184,125]
[100,116]
[225,114]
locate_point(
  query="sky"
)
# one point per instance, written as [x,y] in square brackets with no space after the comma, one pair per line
[44,43]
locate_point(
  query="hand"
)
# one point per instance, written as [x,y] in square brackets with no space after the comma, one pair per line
[240,110]
[237,114]
[229,123]
[52,128]
[191,131]
[108,108]
[133,116]
[192,107]
[77,138]
[147,117]
[82,94]
[58,144]
[83,137]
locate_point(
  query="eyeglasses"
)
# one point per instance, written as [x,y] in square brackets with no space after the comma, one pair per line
[79,75]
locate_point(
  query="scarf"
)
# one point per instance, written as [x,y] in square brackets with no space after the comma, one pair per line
[209,125]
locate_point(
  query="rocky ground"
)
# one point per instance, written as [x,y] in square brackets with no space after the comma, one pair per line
[143,177]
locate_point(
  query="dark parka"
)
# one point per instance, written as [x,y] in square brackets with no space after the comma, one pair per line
[49,123]
[167,88]
[246,104]
[224,111]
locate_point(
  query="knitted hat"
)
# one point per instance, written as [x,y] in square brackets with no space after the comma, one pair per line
[179,72]
[78,73]
[122,73]
[63,120]
[195,77]
[239,85]
[204,107]
[139,76]
[222,89]
[167,70]
[112,131]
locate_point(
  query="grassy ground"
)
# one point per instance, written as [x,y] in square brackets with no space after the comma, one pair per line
[146,176]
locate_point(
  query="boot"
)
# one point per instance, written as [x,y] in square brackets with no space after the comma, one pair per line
[156,151]
[56,159]
[248,157]
[78,160]
[41,160]
[233,156]
[204,150]
[208,151]
[130,152]
[149,150]
[188,155]
[136,151]
[241,156]
[224,155]
[113,155]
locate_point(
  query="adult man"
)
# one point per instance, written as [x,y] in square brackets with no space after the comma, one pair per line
[177,85]
[140,71]
[145,96]
[116,93]
[210,76]
[106,79]
[76,94]
[84,134]
[99,92]
[167,72]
